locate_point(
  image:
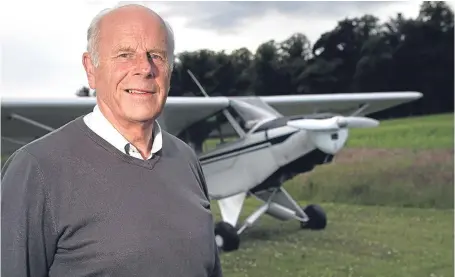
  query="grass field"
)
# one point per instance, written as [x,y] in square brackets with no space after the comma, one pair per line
[389,201]
[422,132]
[359,241]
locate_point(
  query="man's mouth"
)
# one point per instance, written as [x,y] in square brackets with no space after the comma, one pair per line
[137,91]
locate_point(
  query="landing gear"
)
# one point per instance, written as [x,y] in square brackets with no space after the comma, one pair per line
[317,219]
[276,203]
[226,237]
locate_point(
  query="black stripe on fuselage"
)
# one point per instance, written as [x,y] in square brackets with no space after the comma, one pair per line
[244,149]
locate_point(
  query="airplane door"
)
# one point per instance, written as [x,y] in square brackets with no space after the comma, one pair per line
[239,168]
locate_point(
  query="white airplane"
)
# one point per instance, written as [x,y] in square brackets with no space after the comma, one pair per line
[276,138]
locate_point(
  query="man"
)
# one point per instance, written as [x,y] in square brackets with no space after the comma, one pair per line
[110,193]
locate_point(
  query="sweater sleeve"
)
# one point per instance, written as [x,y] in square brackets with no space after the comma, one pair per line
[28,229]
[217,270]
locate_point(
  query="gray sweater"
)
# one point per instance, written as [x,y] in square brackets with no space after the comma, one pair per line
[73,205]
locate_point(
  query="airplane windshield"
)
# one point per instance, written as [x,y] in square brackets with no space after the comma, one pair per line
[212,133]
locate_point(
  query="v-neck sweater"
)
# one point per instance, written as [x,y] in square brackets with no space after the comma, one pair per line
[74,205]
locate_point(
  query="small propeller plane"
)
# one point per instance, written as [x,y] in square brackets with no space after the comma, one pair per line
[265,141]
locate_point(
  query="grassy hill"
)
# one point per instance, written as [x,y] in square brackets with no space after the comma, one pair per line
[389,201]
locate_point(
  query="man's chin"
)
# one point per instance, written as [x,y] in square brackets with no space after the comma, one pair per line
[141,117]
[141,112]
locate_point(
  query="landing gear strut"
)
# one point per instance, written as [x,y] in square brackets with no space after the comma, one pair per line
[277,203]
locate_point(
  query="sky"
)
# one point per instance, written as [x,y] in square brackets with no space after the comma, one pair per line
[42,42]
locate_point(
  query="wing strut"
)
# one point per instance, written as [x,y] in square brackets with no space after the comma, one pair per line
[226,113]
[361,109]
[15,141]
[31,122]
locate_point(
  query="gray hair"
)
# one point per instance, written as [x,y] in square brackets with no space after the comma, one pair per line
[94,31]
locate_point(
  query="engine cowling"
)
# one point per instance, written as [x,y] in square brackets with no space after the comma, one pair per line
[329,142]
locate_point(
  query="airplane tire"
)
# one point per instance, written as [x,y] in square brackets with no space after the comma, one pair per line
[226,237]
[317,218]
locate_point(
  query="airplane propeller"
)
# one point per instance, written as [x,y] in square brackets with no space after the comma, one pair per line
[333,123]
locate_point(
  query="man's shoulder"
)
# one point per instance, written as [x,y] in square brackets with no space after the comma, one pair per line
[62,138]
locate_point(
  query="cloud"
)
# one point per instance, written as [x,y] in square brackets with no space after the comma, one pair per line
[231,16]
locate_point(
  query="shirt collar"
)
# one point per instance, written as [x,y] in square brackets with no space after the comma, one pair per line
[102,127]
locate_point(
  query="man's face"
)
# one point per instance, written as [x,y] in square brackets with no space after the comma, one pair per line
[133,76]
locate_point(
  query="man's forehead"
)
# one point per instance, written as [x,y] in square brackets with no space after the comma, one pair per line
[135,47]
[135,38]
[132,26]
[127,33]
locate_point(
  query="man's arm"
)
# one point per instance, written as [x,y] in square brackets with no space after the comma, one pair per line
[28,226]
[217,270]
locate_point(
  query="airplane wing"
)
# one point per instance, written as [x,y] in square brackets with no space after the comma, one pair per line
[25,119]
[340,103]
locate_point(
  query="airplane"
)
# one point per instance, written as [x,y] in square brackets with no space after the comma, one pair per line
[265,141]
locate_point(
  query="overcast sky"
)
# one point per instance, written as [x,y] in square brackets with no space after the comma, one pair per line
[43,42]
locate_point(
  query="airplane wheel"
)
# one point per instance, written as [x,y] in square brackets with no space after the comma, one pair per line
[226,237]
[317,218]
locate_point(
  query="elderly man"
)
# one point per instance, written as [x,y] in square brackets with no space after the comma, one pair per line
[110,193]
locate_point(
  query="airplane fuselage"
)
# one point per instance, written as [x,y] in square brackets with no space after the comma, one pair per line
[266,158]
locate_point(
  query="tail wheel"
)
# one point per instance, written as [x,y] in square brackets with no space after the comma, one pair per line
[317,218]
[226,237]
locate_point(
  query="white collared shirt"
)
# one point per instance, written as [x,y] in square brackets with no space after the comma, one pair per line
[98,123]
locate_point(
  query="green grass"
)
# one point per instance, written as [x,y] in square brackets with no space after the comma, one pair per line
[359,241]
[425,132]
[399,177]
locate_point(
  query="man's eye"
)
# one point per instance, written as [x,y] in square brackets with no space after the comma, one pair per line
[156,56]
[124,55]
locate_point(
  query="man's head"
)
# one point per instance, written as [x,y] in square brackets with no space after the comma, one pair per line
[129,61]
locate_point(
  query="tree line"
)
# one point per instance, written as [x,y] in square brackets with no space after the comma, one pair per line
[360,54]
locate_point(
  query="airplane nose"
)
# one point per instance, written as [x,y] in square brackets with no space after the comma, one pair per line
[329,142]
[342,123]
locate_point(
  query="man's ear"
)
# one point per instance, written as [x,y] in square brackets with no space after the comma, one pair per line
[89,69]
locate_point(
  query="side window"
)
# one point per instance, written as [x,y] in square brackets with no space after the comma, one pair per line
[225,126]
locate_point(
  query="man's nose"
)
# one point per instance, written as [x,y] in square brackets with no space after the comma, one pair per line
[145,66]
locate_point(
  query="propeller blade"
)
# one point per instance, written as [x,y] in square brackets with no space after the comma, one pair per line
[333,123]
[358,122]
